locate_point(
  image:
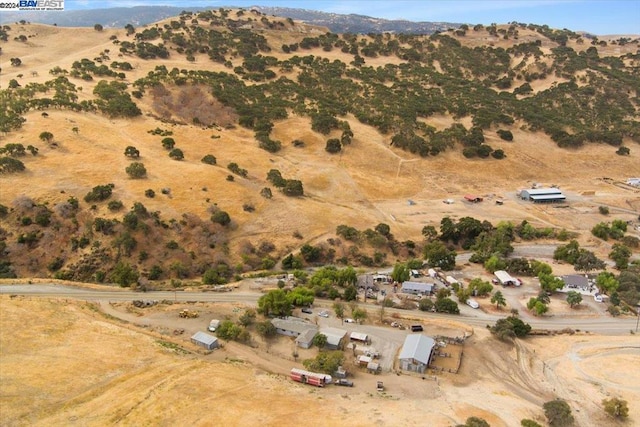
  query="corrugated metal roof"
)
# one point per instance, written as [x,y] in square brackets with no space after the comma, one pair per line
[307,336]
[541,191]
[292,325]
[358,336]
[417,286]
[504,277]
[559,196]
[575,280]
[418,347]
[334,335]
[204,338]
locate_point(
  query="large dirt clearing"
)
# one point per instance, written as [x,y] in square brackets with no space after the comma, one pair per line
[66,363]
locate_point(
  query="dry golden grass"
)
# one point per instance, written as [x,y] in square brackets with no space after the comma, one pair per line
[64,363]
[368,183]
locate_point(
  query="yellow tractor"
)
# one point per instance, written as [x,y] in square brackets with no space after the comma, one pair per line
[188,314]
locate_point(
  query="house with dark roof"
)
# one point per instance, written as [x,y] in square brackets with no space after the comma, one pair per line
[416,353]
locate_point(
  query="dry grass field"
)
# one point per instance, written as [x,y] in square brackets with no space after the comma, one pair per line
[66,363]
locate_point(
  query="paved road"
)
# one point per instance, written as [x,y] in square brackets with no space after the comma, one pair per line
[475,318]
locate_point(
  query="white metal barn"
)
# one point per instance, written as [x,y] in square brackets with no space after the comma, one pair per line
[416,353]
[506,279]
[543,195]
[205,340]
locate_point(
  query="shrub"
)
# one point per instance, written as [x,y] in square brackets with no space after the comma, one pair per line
[558,413]
[55,264]
[132,151]
[617,408]
[505,135]
[221,217]
[447,305]
[209,159]
[266,193]
[233,167]
[293,188]
[136,170]
[176,154]
[498,154]
[426,304]
[333,146]
[150,193]
[99,193]
[115,205]
[10,165]
[155,272]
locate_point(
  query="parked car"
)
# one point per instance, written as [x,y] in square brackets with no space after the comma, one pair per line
[416,328]
[473,304]
[307,310]
[348,320]
[345,383]
[323,313]
[213,325]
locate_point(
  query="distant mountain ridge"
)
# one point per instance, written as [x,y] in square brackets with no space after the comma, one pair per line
[353,23]
[118,17]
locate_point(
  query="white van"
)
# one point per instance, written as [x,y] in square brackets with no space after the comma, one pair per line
[213,325]
[473,303]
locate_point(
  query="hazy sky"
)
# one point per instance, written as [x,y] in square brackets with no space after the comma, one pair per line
[595,16]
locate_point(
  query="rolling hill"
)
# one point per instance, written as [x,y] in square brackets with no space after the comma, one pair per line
[251,102]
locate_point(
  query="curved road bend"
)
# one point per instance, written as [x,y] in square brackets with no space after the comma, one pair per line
[600,325]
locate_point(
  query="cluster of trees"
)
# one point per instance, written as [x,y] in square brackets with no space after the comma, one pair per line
[471,83]
[442,304]
[289,187]
[119,250]
[615,230]
[280,303]
[114,100]
[86,68]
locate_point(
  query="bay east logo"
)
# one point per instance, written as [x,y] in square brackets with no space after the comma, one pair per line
[32,5]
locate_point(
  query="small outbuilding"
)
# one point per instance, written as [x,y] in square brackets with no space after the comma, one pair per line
[472,198]
[382,278]
[305,339]
[634,182]
[359,336]
[202,339]
[335,337]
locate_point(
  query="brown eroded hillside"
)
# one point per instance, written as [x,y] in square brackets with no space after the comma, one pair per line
[368,183]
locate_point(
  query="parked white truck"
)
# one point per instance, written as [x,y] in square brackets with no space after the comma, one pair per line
[213,325]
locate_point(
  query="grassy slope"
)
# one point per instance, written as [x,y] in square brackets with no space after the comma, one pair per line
[367,184]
